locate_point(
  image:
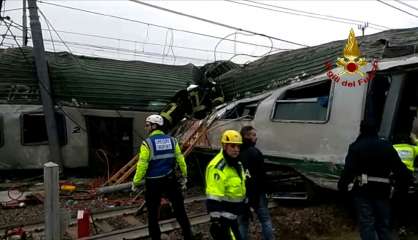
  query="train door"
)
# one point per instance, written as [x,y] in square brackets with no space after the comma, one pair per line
[110,143]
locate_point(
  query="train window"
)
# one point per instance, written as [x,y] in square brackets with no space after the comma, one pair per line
[1,131]
[245,110]
[307,103]
[34,129]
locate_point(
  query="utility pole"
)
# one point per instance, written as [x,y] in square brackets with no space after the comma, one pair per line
[363,27]
[44,84]
[1,5]
[25,25]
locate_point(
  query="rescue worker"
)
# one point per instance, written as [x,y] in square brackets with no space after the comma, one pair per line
[407,150]
[157,159]
[204,97]
[225,188]
[372,168]
[176,110]
[402,202]
[253,162]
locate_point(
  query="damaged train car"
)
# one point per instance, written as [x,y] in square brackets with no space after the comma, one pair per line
[100,107]
[309,121]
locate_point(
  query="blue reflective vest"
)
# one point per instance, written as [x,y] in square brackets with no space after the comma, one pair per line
[162,156]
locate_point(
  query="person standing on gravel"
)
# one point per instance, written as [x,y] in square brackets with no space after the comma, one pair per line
[372,169]
[225,188]
[158,156]
[253,162]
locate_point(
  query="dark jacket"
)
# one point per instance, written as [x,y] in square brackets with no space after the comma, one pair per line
[376,158]
[253,161]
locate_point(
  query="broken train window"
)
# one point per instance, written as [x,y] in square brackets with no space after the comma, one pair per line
[33,129]
[245,110]
[305,103]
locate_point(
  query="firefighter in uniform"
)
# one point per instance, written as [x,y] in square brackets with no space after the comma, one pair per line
[157,160]
[372,168]
[225,188]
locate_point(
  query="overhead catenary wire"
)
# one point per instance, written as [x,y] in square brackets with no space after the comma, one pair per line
[115,50]
[242,54]
[394,7]
[158,26]
[49,30]
[62,41]
[406,4]
[12,9]
[218,23]
[135,53]
[296,12]
[4,35]
[132,41]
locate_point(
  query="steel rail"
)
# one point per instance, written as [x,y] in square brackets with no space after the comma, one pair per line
[165,226]
[97,215]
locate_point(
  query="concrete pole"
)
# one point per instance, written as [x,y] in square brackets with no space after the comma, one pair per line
[25,25]
[52,207]
[44,84]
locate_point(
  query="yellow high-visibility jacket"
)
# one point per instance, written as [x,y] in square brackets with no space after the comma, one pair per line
[225,187]
[407,153]
[144,157]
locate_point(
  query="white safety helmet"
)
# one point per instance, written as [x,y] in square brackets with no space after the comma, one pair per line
[155,118]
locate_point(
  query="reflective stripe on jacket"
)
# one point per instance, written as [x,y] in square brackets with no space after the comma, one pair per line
[223,182]
[407,153]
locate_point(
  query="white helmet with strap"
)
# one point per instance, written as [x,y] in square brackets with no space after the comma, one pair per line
[155,118]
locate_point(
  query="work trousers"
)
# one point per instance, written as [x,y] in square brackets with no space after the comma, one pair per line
[224,229]
[262,211]
[373,217]
[169,187]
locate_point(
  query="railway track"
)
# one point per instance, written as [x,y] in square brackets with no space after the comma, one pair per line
[99,218]
[131,227]
[125,223]
[142,230]
[166,226]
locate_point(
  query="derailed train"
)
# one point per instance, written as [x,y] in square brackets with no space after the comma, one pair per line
[308,125]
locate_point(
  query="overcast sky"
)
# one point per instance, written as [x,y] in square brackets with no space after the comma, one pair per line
[162,45]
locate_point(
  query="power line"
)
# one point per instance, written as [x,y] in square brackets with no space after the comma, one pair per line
[116,50]
[156,25]
[7,30]
[307,14]
[406,4]
[137,42]
[131,41]
[12,9]
[113,50]
[218,23]
[387,4]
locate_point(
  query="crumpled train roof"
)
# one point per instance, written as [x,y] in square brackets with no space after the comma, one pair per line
[92,82]
[282,68]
